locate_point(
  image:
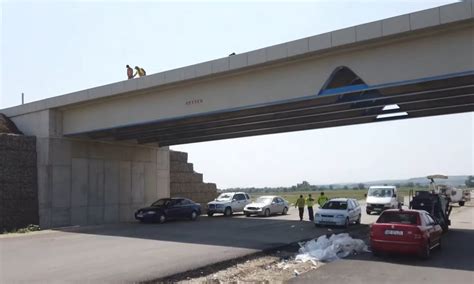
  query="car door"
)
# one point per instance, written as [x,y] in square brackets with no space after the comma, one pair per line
[274,205]
[435,229]
[351,210]
[173,211]
[356,208]
[281,204]
[186,208]
[247,201]
[239,202]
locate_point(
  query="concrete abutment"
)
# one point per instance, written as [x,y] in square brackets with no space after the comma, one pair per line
[91,182]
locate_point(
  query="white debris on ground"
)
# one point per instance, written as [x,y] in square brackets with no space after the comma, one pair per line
[326,249]
[278,266]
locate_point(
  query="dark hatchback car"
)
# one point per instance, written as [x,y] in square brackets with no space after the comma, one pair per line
[166,209]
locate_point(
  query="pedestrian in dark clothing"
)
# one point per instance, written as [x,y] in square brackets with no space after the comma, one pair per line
[129,72]
[300,204]
[309,203]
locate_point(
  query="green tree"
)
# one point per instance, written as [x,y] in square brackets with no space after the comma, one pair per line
[361,186]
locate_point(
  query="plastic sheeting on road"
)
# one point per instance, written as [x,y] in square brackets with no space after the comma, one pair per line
[329,249]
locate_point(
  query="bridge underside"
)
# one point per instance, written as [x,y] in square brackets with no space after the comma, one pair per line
[340,106]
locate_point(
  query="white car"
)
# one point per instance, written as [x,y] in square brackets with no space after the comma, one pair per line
[228,203]
[338,212]
[266,206]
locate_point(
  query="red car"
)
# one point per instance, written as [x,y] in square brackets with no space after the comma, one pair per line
[405,231]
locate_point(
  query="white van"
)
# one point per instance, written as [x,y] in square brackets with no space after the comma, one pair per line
[380,198]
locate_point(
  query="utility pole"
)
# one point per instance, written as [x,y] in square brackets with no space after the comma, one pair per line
[22,98]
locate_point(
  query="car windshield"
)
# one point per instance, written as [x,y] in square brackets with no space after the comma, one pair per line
[160,202]
[265,200]
[338,205]
[224,196]
[380,192]
[398,218]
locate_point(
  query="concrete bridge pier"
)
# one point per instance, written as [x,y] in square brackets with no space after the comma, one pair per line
[92,182]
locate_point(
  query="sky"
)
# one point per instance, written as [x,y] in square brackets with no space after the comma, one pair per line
[50,48]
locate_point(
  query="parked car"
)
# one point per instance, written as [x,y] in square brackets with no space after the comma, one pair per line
[339,212]
[266,206]
[228,203]
[380,198]
[168,209]
[405,231]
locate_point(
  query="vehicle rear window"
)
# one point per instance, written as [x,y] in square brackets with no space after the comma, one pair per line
[398,218]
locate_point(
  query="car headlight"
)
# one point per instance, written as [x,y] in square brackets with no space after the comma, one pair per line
[340,216]
[219,205]
[368,204]
[387,205]
[151,212]
[317,215]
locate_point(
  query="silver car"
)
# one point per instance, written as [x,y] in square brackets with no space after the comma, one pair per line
[266,206]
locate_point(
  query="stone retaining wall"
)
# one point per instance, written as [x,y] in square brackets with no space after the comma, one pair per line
[185,182]
[18,182]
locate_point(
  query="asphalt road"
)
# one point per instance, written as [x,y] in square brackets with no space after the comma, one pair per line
[138,252]
[454,263]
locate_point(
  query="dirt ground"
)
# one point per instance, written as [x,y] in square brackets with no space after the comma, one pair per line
[270,267]
[275,266]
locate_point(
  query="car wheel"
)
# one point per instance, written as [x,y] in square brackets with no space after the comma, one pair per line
[426,251]
[375,252]
[227,212]
[194,216]
[358,219]
[346,224]
[367,211]
[267,212]
[162,218]
[285,211]
[210,214]
[247,214]
[461,203]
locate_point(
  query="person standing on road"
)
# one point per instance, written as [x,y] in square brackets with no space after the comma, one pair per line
[322,199]
[300,204]
[309,203]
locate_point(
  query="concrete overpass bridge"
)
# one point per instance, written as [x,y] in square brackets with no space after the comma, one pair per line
[94,141]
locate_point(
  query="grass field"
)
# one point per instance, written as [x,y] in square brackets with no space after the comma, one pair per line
[356,194]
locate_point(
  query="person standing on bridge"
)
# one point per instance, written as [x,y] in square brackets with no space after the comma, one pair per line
[129,72]
[322,199]
[300,204]
[310,203]
[140,72]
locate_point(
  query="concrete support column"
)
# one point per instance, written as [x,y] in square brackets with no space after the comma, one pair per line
[84,182]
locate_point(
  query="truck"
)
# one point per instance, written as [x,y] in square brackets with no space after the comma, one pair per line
[382,197]
[434,201]
[455,195]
